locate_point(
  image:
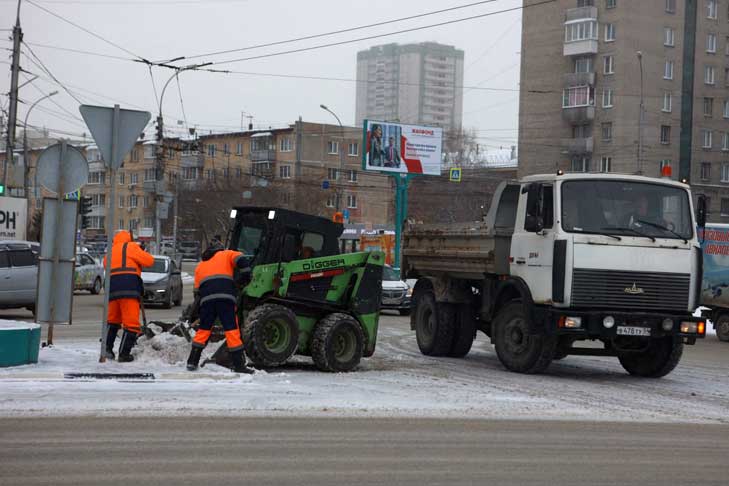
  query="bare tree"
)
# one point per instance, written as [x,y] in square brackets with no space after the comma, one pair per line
[461,147]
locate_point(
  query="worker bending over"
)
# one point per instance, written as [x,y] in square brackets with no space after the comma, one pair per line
[126,290]
[215,288]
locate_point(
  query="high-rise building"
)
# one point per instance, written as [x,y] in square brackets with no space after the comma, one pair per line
[420,84]
[588,66]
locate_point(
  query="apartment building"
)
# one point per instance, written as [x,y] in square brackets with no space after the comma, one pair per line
[588,66]
[419,84]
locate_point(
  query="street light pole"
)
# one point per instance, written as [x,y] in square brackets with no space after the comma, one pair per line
[640,116]
[26,161]
[341,154]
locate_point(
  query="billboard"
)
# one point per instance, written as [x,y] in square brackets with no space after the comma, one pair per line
[404,149]
[715,245]
[13,215]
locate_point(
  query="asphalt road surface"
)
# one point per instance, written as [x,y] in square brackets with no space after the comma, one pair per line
[300,451]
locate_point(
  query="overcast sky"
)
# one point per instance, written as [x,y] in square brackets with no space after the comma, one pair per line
[165,29]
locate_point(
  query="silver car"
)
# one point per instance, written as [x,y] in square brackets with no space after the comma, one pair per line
[18,274]
[162,282]
[88,274]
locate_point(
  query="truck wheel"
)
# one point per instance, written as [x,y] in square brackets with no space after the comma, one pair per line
[337,343]
[270,335]
[434,325]
[722,327]
[464,332]
[518,349]
[658,360]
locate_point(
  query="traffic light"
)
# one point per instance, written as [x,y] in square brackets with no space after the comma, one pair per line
[83,210]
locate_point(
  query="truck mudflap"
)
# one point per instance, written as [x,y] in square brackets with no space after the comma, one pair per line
[604,324]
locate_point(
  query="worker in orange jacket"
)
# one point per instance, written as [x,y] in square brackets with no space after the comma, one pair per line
[215,289]
[126,290]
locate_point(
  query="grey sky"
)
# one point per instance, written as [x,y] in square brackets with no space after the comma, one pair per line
[163,29]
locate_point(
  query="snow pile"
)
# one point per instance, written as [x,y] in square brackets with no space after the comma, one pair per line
[164,348]
[17,325]
[187,278]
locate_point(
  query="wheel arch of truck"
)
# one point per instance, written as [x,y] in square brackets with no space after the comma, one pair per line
[515,289]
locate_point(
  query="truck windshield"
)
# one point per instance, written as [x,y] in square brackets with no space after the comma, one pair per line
[626,208]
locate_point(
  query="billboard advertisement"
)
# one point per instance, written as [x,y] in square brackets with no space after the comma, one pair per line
[404,149]
[13,215]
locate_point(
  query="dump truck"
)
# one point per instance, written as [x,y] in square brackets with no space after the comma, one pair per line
[558,260]
[299,295]
[715,289]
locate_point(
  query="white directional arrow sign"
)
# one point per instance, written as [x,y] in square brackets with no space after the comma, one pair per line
[128,127]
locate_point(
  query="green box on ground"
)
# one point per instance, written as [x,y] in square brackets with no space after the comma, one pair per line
[19,343]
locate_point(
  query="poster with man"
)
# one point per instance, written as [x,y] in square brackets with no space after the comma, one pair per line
[405,149]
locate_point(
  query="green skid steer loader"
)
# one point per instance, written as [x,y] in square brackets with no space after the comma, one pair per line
[301,296]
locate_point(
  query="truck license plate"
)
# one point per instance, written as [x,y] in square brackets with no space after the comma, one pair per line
[633,331]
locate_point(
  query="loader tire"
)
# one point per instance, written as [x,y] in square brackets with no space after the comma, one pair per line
[270,335]
[516,347]
[661,357]
[434,324]
[337,344]
[721,326]
[464,332]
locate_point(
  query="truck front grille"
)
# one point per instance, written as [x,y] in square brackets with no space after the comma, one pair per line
[630,290]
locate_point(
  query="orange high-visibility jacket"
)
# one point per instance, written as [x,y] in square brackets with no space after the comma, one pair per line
[214,277]
[127,260]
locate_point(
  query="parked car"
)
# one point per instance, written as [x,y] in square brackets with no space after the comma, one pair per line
[189,250]
[162,282]
[395,292]
[88,274]
[18,274]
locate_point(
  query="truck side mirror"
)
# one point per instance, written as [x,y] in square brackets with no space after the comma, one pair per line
[701,211]
[534,220]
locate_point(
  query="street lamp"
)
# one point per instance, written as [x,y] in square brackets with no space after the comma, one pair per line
[26,162]
[341,153]
[640,115]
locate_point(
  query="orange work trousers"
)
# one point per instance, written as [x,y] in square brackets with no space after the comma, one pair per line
[125,312]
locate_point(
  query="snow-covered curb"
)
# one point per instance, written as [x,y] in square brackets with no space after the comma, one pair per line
[17,325]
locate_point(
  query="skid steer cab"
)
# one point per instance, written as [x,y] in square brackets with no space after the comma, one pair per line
[300,295]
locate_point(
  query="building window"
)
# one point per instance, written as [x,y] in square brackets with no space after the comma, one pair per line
[580,31]
[212,148]
[353,149]
[133,178]
[708,106]
[726,108]
[709,75]
[726,77]
[667,102]
[96,177]
[145,202]
[210,173]
[583,65]
[284,172]
[120,178]
[133,201]
[577,96]
[606,164]
[332,174]
[669,37]
[705,171]
[725,141]
[607,132]
[665,134]
[352,176]
[668,70]
[707,138]
[150,175]
[352,201]
[580,164]
[724,174]
[97,222]
[609,32]
[135,155]
[238,172]
[285,144]
[585,3]
[190,173]
[724,206]
[711,43]
[610,3]
[607,98]
[332,147]
[711,9]
[98,199]
[121,202]
[609,65]
[121,224]
[330,202]
[239,148]
[670,6]
[148,222]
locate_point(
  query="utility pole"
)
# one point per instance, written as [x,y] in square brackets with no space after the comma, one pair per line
[340,172]
[13,111]
[640,116]
[158,171]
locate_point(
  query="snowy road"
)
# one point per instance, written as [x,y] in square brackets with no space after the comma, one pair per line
[397,381]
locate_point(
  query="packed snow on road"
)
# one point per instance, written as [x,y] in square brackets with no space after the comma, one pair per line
[396,381]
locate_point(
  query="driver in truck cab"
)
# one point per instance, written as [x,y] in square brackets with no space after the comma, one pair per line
[215,289]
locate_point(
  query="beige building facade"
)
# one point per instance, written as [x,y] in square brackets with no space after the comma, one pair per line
[581,90]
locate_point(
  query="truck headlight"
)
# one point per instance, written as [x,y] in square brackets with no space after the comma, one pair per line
[693,327]
[667,324]
[608,322]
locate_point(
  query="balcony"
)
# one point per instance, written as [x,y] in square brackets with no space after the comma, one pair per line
[153,186]
[572,80]
[263,155]
[580,13]
[578,115]
[192,160]
[581,47]
[581,31]
[264,169]
[577,146]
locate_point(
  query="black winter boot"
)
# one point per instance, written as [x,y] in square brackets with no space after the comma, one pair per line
[239,363]
[128,340]
[194,360]
[111,332]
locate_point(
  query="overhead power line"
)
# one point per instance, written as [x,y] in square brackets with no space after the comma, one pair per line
[43,67]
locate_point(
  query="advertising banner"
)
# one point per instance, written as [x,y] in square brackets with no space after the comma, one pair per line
[715,245]
[13,215]
[404,149]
